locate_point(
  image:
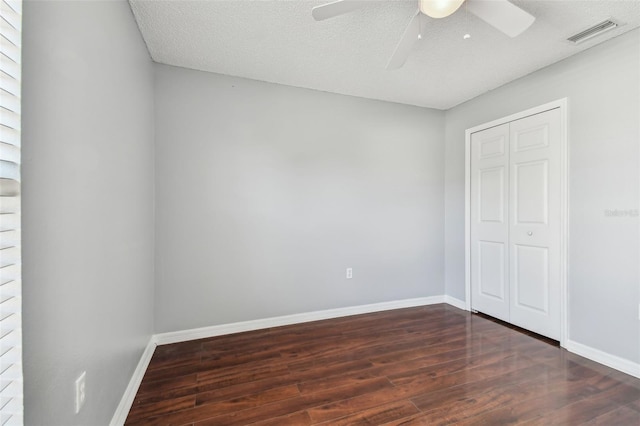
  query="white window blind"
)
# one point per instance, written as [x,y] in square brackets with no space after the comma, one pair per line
[10,252]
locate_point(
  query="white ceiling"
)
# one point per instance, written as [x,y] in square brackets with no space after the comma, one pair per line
[278,41]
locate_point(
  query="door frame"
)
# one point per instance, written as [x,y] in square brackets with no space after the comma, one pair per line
[562,105]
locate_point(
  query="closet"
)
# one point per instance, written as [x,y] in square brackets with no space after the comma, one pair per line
[515,222]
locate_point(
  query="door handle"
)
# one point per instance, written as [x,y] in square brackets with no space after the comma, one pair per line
[529,233]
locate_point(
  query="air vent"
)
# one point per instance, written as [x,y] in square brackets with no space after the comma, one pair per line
[596,30]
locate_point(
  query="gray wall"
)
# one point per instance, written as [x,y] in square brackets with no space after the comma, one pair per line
[88,206]
[266,193]
[603,87]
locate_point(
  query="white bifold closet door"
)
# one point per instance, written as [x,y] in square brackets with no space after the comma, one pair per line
[515,222]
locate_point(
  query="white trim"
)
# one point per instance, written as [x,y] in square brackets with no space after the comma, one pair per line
[604,358]
[562,104]
[238,327]
[120,416]
[467,220]
[456,303]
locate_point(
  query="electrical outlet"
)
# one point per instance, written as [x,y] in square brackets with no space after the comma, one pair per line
[349,273]
[81,391]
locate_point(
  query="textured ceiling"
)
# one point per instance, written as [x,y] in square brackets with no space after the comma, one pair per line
[278,41]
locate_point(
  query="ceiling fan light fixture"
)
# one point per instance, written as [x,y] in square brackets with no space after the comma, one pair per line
[439,8]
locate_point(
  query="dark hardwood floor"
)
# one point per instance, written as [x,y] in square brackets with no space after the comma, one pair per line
[417,366]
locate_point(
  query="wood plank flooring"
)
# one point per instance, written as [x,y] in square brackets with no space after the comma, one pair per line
[419,366]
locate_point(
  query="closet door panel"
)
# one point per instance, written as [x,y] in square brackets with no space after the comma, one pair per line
[531,189]
[490,222]
[531,278]
[534,225]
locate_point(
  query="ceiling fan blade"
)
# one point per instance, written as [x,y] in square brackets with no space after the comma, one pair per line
[335,8]
[501,14]
[403,49]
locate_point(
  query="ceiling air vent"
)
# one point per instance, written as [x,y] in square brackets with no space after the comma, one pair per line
[596,30]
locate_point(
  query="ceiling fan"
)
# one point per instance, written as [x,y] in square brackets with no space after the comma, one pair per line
[501,14]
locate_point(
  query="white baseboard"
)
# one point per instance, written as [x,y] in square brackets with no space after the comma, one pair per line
[605,358]
[120,416]
[457,303]
[238,327]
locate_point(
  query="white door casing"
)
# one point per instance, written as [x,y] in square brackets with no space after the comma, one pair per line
[516,219]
